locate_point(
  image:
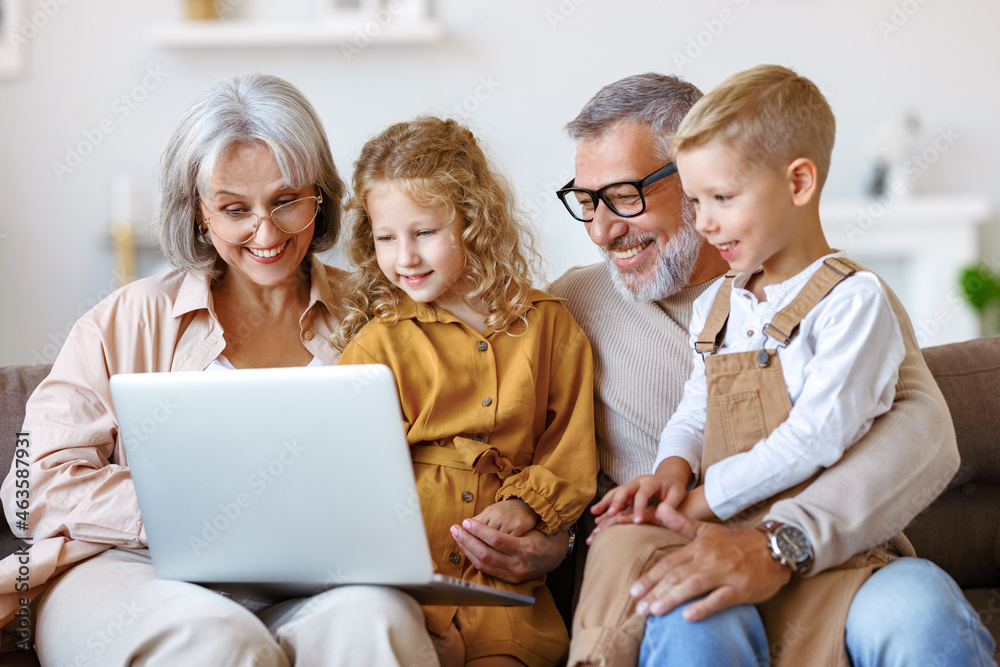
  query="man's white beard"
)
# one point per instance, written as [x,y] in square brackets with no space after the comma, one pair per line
[674,264]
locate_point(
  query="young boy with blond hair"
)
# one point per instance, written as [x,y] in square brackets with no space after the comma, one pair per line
[797,352]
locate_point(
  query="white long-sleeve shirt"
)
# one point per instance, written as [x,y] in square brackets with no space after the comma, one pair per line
[840,371]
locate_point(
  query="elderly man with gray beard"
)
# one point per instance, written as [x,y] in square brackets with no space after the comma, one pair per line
[635,308]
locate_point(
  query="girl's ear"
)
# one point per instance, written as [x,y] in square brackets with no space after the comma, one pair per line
[802,181]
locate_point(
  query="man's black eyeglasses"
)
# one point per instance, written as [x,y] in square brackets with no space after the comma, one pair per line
[625,199]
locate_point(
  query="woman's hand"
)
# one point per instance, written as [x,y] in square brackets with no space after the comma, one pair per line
[513,559]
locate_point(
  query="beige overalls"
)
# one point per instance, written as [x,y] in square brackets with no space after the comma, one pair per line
[747,399]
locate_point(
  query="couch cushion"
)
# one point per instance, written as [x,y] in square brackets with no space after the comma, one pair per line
[968,513]
[16,384]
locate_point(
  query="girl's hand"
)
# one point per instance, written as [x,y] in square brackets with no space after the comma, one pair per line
[512,516]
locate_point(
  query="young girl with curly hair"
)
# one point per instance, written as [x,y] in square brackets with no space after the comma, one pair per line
[495,378]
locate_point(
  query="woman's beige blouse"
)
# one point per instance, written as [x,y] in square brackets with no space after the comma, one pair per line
[81,496]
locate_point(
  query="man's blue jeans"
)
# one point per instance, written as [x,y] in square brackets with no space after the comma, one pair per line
[909,613]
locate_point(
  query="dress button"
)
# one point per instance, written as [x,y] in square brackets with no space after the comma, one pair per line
[308,335]
[483,345]
[467,496]
[487,402]
[455,557]
[479,438]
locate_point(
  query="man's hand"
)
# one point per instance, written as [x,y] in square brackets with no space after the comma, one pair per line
[732,567]
[512,516]
[513,559]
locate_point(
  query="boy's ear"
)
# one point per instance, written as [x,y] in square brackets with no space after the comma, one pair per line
[802,181]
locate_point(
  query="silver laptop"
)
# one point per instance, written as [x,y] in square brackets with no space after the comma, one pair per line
[280,483]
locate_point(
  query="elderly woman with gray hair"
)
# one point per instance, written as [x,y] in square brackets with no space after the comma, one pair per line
[249,195]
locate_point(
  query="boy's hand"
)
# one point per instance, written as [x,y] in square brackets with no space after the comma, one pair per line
[695,506]
[668,484]
[512,516]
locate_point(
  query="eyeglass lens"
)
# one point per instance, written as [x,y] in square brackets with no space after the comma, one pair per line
[622,199]
[239,226]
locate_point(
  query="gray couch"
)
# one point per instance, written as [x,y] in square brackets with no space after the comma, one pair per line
[960,531]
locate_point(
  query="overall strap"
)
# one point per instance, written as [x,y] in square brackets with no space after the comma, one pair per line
[785,324]
[714,332]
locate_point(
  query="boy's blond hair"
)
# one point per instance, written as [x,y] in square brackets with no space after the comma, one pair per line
[769,113]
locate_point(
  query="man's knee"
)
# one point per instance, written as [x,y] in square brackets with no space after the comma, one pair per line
[912,610]
[733,636]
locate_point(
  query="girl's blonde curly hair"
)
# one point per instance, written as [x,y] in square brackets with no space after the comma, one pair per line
[438,163]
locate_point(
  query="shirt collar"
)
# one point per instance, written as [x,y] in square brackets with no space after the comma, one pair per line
[778,290]
[424,312]
[195,292]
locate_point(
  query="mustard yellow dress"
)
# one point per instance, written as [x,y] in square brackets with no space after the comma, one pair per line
[488,417]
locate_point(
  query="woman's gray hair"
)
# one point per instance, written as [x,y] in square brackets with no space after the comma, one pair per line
[242,110]
[656,100]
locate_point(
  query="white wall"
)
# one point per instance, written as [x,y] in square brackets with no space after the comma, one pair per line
[544,59]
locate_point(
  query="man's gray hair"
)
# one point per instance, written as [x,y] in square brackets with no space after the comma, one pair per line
[242,110]
[656,100]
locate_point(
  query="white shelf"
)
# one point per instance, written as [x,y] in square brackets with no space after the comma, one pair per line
[223,34]
[918,244]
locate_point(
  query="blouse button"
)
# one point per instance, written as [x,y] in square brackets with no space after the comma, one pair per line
[487,402]
[455,558]
[479,438]
[483,345]
[750,333]
[467,496]
[308,335]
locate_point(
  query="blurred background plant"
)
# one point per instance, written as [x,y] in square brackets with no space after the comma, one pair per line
[981,288]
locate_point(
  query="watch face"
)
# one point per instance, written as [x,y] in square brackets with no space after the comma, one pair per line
[792,544]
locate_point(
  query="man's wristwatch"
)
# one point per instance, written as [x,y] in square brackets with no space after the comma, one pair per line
[789,545]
